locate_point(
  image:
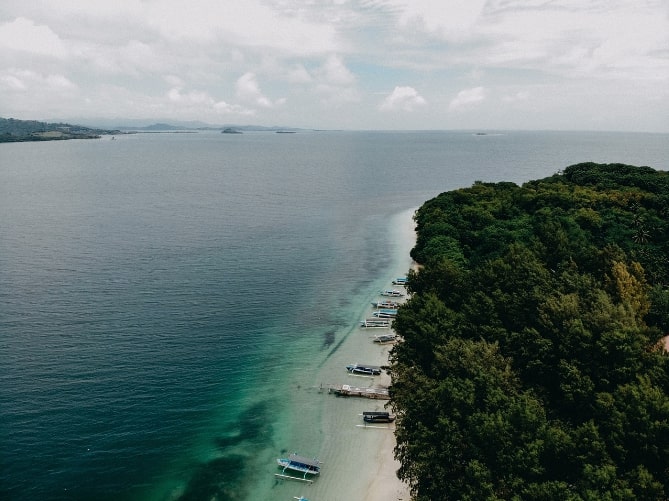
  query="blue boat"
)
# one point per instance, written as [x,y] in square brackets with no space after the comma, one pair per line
[385,313]
[364,369]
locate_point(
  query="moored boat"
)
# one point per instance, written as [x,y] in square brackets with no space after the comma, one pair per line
[364,369]
[376,322]
[391,293]
[401,281]
[385,338]
[377,417]
[385,313]
[385,304]
[300,464]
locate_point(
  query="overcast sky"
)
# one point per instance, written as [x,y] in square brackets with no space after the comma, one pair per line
[347,64]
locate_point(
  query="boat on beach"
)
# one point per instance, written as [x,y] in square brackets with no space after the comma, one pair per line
[364,369]
[391,293]
[300,464]
[385,304]
[385,338]
[385,313]
[377,417]
[346,390]
[401,281]
[375,323]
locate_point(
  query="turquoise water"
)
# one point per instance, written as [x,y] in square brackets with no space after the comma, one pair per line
[169,303]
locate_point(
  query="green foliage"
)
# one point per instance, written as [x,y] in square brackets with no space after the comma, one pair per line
[530,367]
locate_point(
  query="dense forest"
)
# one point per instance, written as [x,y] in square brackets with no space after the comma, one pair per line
[13,130]
[531,364]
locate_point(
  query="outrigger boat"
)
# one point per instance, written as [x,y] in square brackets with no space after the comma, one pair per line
[385,338]
[300,464]
[364,369]
[391,293]
[385,304]
[375,322]
[401,281]
[385,313]
[377,417]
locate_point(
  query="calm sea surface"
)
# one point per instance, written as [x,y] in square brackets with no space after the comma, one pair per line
[156,291]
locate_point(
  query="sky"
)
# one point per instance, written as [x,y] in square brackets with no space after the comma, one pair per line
[340,64]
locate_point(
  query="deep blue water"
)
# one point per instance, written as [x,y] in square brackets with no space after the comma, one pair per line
[153,289]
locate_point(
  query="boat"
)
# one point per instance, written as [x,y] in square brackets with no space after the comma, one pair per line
[385,313]
[401,281]
[385,338]
[300,464]
[301,498]
[364,369]
[385,304]
[391,293]
[377,417]
[346,390]
[375,322]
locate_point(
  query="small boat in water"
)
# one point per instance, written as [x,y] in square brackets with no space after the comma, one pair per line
[376,322]
[385,313]
[385,338]
[377,417]
[401,281]
[385,304]
[364,369]
[391,293]
[300,464]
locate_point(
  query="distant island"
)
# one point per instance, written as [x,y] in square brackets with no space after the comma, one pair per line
[231,130]
[13,130]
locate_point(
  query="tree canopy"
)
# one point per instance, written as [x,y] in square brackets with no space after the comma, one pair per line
[530,365]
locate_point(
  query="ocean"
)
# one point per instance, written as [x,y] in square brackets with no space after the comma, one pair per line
[172,304]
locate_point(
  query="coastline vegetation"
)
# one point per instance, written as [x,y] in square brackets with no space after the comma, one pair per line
[532,365]
[13,130]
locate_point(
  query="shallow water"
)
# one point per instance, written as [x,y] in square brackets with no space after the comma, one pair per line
[171,303]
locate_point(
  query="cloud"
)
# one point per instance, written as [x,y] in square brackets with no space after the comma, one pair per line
[402,98]
[24,35]
[467,98]
[335,83]
[451,20]
[248,90]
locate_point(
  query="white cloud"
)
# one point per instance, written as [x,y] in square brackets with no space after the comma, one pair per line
[24,35]
[402,98]
[451,20]
[467,98]
[248,90]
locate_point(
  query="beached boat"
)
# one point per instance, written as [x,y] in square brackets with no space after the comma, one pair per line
[401,281]
[346,390]
[375,322]
[300,464]
[385,304]
[364,369]
[385,338]
[377,417]
[391,293]
[385,313]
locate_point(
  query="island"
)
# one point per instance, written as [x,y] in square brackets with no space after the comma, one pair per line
[533,363]
[13,130]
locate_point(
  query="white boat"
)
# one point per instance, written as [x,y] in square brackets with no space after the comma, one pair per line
[364,369]
[401,281]
[379,323]
[391,293]
[300,464]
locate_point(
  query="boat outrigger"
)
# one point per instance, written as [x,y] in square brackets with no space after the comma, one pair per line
[364,369]
[300,464]
[391,293]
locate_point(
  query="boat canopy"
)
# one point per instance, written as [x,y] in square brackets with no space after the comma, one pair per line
[304,461]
